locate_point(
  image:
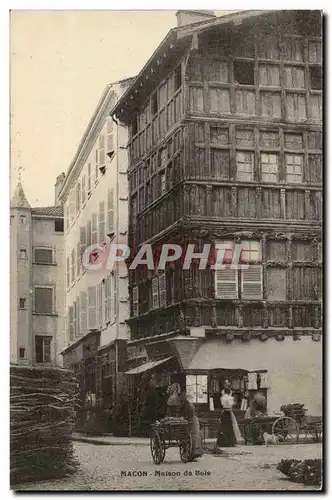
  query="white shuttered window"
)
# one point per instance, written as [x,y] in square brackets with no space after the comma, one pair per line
[226,283]
[92,308]
[252,282]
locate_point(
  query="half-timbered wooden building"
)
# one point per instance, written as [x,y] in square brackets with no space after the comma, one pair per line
[225,147]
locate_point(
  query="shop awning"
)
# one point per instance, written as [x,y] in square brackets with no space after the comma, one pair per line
[216,354]
[148,366]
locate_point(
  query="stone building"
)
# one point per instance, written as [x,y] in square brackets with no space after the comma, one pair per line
[95,198]
[37,326]
[225,148]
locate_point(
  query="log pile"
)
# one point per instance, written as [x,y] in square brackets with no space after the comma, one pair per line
[42,415]
[308,471]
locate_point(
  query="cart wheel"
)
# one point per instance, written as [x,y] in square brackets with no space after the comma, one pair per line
[185,446]
[157,448]
[286,429]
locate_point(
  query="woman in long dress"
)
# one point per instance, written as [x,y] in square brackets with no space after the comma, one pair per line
[187,411]
[228,431]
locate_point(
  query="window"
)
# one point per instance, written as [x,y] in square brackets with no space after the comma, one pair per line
[43,255]
[270,139]
[110,211]
[163,182]
[251,279]
[197,388]
[44,300]
[78,197]
[154,103]
[102,157]
[294,169]
[23,254]
[89,178]
[135,301]
[43,349]
[252,282]
[22,352]
[316,78]
[226,283]
[155,293]
[58,225]
[177,78]
[94,228]
[294,77]
[92,307]
[102,225]
[244,137]
[269,76]
[250,251]
[23,219]
[244,73]
[269,165]
[134,126]
[293,141]
[244,166]
[83,194]
[22,303]
[72,266]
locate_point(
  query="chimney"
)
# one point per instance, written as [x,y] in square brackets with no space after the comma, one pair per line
[57,188]
[185,17]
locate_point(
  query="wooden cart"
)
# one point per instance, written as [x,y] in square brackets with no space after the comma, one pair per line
[170,434]
[284,427]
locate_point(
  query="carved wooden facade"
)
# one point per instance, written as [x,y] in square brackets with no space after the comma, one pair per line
[227,146]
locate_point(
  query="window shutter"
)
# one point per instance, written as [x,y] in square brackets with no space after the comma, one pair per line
[135,301]
[78,197]
[89,179]
[106,295]
[75,319]
[68,272]
[72,277]
[252,282]
[155,293]
[83,189]
[78,317]
[102,158]
[71,322]
[226,283]
[113,295]
[162,290]
[101,221]
[110,211]
[88,233]
[100,304]
[110,137]
[83,313]
[92,308]
[94,228]
[82,241]
[78,259]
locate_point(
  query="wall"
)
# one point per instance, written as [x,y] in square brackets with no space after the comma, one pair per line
[20,329]
[294,367]
[44,235]
[101,185]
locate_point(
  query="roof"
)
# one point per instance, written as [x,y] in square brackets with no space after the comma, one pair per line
[51,211]
[104,101]
[214,354]
[19,199]
[169,45]
[148,366]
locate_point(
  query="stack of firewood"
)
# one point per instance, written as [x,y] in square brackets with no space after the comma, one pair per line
[42,413]
[307,471]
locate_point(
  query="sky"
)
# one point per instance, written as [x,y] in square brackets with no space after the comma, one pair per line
[60,63]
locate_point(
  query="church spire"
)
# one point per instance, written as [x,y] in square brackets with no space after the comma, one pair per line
[19,199]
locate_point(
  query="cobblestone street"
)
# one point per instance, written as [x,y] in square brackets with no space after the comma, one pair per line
[242,468]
